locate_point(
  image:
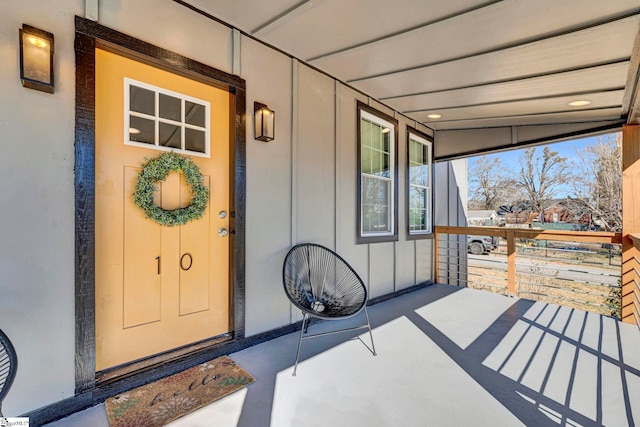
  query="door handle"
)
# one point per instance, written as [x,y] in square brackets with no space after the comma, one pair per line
[222,232]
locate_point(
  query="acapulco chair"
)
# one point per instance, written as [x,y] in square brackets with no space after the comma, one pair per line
[322,284]
[8,366]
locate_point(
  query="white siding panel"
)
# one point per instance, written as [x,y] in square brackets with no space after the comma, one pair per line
[268,215]
[459,200]
[441,212]
[440,193]
[381,107]
[171,26]
[381,269]
[37,255]
[315,180]
[458,203]
[454,209]
[346,183]
[404,249]
[426,130]
[405,264]
[450,142]
[424,261]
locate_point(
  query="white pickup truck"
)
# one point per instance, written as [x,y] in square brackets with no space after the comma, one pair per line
[479,245]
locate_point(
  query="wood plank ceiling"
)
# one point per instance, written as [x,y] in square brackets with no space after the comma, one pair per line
[474,63]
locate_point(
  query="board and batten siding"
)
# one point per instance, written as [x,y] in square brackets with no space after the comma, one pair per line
[37,283]
[269,196]
[301,187]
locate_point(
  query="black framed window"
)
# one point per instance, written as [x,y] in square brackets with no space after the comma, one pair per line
[419,184]
[377,176]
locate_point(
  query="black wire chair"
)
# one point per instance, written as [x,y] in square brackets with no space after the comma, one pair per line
[323,285]
[8,366]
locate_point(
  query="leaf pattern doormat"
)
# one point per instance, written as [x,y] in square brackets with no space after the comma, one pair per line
[165,400]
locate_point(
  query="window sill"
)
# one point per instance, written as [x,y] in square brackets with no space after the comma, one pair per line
[376,239]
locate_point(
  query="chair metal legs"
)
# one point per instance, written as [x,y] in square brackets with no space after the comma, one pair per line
[306,319]
[302,330]
[373,346]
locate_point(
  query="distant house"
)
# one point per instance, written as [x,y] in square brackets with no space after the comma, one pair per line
[556,214]
[559,217]
[554,217]
[482,218]
[520,218]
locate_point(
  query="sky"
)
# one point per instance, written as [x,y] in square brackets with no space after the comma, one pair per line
[565,149]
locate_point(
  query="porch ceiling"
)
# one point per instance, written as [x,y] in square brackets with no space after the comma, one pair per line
[477,63]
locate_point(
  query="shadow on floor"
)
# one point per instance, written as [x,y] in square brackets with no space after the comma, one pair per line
[547,365]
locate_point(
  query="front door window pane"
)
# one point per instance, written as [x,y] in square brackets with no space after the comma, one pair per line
[166,120]
[194,140]
[142,130]
[142,100]
[169,135]
[170,107]
[194,114]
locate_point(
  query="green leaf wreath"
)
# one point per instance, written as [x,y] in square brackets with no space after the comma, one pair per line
[156,170]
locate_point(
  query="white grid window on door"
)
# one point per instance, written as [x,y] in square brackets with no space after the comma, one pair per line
[161,119]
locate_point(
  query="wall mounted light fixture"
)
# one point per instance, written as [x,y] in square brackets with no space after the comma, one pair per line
[36,58]
[264,121]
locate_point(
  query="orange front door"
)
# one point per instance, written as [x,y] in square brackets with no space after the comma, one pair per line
[158,287]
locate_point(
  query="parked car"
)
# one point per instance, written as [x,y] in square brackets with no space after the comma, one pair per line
[479,245]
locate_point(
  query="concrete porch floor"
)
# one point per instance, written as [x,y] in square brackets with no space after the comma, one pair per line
[447,356]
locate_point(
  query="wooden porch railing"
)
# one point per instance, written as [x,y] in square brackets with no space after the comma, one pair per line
[512,235]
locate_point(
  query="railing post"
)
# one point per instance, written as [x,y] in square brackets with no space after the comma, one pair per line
[511,263]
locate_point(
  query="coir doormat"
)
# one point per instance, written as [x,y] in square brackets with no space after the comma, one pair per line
[163,401]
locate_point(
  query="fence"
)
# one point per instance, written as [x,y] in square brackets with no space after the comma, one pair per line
[574,268]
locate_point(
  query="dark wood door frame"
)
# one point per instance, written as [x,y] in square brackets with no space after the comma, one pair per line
[89,36]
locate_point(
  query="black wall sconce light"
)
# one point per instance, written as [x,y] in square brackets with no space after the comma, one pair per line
[36,58]
[264,121]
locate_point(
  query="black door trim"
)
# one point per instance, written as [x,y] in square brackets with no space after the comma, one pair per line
[89,36]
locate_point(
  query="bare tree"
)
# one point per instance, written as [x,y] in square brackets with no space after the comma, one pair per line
[541,175]
[597,184]
[490,185]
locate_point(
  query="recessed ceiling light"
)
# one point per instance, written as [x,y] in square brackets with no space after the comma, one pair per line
[434,116]
[579,103]
[386,130]
[134,131]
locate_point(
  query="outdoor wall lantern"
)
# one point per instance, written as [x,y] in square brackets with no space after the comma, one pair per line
[264,121]
[36,58]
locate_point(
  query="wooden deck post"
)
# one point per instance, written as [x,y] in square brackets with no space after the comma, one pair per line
[511,263]
[630,223]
